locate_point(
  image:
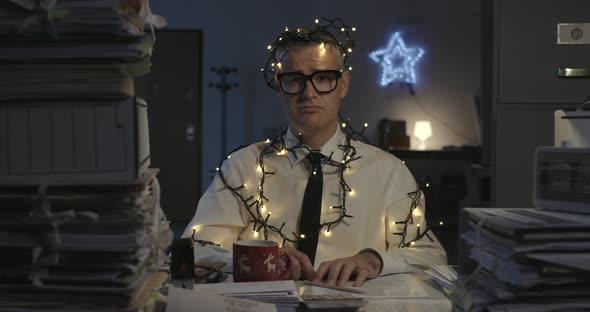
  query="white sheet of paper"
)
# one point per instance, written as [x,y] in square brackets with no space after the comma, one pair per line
[285,287]
[181,300]
[443,273]
[447,271]
[392,286]
[439,277]
[408,306]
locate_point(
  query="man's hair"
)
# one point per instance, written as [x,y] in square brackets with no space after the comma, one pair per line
[320,37]
[333,33]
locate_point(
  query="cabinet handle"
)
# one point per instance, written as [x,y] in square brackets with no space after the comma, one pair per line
[566,72]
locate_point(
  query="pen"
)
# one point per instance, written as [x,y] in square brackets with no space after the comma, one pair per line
[356,291]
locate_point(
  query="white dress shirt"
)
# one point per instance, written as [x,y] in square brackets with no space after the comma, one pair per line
[379,184]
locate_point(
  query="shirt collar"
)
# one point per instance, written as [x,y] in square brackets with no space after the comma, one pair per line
[332,147]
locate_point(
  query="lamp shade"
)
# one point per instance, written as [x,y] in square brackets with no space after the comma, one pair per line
[422,129]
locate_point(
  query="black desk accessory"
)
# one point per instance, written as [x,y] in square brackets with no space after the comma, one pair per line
[183,262]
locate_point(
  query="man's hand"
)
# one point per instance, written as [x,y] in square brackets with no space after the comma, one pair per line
[364,266]
[300,266]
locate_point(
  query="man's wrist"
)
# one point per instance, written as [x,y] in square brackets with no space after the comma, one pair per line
[370,251]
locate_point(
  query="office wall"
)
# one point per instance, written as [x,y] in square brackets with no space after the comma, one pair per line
[236,33]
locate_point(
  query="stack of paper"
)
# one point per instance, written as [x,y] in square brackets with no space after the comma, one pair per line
[58,56]
[182,300]
[529,259]
[283,294]
[32,17]
[443,275]
[87,240]
[95,246]
[72,48]
[59,81]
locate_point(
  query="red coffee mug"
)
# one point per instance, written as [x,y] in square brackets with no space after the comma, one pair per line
[258,260]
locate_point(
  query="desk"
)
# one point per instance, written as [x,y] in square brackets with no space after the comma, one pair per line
[436,300]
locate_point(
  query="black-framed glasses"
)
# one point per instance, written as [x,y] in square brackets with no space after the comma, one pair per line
[323,81]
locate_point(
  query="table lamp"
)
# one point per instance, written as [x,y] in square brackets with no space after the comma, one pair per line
[422,130]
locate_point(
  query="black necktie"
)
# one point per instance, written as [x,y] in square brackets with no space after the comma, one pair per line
[311,207]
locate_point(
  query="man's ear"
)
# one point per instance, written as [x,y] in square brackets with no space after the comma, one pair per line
[275,84]
[344,83]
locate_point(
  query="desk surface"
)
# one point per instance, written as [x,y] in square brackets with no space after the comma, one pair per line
[436,300]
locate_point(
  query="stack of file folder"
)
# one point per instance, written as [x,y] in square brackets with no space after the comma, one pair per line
[67,89]
[81,227]
[87,247]
[66,48]
[523,260]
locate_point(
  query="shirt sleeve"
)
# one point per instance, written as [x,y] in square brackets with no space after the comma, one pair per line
[219,218]
[409,249]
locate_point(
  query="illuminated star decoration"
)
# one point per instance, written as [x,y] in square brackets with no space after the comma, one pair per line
[397,61]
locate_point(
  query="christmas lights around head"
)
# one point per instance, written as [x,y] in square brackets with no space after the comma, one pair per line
[325,31]
[397,61]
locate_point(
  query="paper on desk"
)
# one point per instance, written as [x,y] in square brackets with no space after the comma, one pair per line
[384,287]
[181,300]
[408,306]
[443,274]
[575,260]
[393,286]
[275,287]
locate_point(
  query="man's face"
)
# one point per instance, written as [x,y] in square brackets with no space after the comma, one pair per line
[311,111]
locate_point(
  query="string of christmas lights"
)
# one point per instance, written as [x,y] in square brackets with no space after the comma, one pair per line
[357,135]
[277,147]
[416,197]
[255,206]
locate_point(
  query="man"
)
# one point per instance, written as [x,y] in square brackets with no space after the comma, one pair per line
[368,206]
